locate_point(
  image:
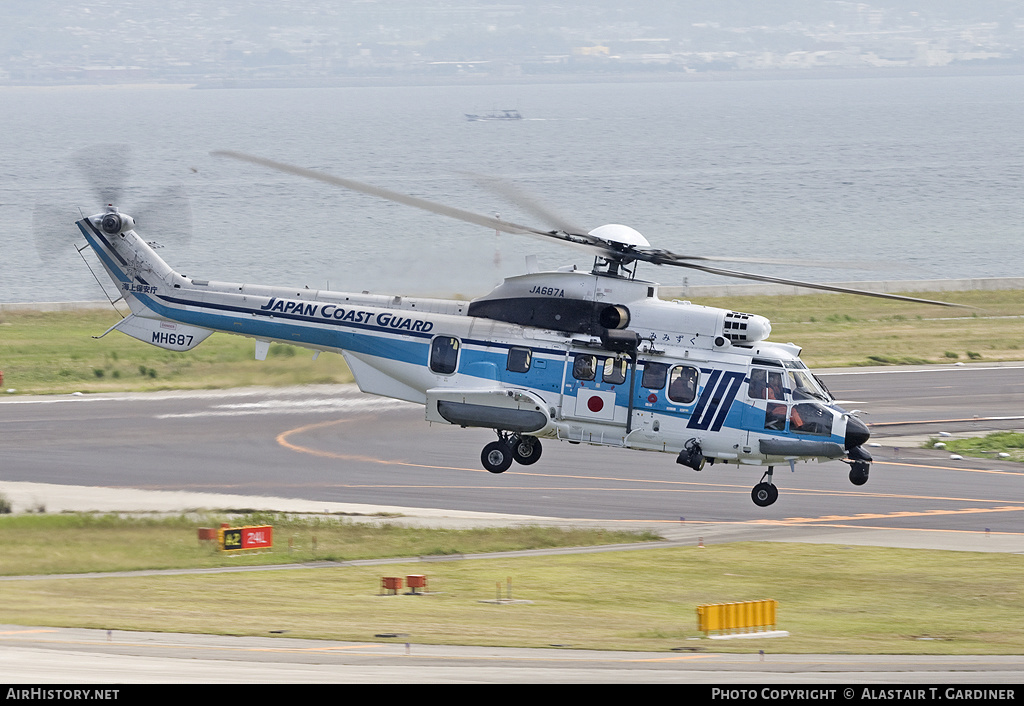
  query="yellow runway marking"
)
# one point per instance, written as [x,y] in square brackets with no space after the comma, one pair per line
[678,658]
[838,525]
[951,468]
[906,513]
[677,486]
[312,649]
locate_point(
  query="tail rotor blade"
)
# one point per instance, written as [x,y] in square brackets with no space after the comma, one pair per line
[167,216]
[106,169]
[53,231]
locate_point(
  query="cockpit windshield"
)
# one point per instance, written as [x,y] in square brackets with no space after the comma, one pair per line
[805,387]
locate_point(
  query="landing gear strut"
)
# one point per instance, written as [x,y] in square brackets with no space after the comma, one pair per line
[497,456]
[860,464]
[765,492]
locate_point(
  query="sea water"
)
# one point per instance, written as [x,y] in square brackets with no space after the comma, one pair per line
[868,178]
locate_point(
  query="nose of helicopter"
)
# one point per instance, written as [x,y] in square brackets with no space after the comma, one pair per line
[857,433]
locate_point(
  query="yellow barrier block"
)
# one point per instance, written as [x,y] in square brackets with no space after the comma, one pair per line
[747,616]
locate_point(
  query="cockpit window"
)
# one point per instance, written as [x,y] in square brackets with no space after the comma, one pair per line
[775,417]
[805,387]
[765,385]
[810,418]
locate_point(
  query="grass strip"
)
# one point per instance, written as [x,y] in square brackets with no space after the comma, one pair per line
[994,446]
[832,599]
[84,542]
[54,352]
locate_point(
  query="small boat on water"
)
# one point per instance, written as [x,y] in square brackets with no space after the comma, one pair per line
[495,115]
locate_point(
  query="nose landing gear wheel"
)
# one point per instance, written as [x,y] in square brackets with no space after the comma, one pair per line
[497,456]
[859,473]
[764,494]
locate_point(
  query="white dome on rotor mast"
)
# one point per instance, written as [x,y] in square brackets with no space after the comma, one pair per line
[620,234]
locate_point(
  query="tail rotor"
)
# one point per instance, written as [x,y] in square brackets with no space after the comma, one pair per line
[162,212]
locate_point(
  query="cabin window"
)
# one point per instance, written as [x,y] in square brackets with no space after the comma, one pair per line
[655,376]
[444,355]
[765,385]
[584,367]
[682,386]
[614,371]
[518,360]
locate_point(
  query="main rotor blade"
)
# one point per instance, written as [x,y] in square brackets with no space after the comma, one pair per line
[664,257]
[813,285]
[529,203]
[569,235]
[451,212]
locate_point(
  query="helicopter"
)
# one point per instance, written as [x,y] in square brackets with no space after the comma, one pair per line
[588,357]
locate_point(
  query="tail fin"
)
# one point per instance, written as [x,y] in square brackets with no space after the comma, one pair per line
[141,276]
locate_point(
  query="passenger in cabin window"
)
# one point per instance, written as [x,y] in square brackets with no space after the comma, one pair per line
[583,367]
[683,385]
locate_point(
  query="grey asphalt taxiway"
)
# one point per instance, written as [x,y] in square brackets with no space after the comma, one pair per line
[334,445]
[333,449]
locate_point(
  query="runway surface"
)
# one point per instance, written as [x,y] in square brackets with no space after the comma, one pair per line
[333,448]
[94,656]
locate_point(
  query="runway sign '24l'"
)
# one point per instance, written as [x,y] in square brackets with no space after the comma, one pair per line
[235,539]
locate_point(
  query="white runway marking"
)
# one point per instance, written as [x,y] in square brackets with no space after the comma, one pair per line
[304,406]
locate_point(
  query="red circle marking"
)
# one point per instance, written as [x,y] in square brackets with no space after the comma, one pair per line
[652,398]
[595,404]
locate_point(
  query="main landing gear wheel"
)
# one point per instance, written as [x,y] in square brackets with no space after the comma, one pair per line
[764,494]
[526,449]
[497,456]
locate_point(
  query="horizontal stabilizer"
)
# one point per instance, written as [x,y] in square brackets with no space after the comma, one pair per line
[164,334]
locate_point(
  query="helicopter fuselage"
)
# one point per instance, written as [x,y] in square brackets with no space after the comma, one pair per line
[575,356]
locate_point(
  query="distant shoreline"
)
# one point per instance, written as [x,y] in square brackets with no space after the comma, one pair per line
[483,79]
